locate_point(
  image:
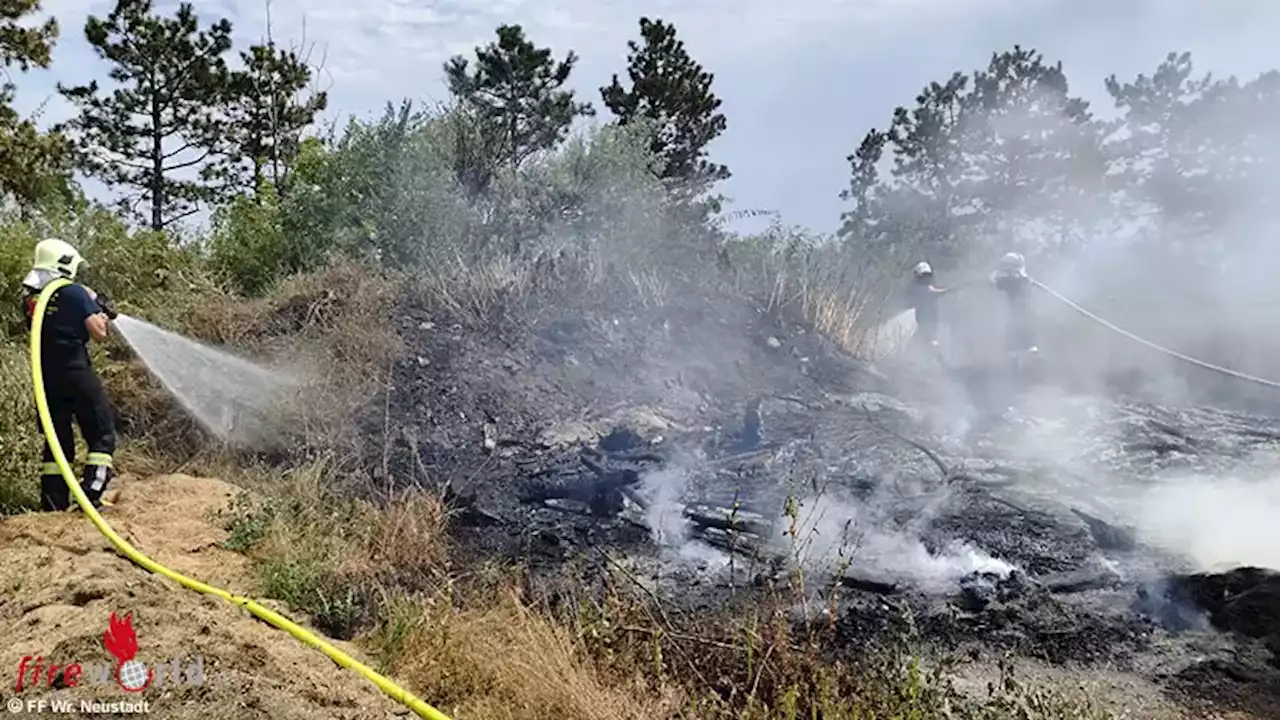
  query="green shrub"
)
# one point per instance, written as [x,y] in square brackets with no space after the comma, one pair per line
[249,247]
[382,191]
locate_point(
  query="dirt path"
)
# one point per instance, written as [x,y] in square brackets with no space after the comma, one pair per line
[62,580]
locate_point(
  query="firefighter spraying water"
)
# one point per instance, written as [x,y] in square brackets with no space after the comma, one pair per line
[232,398]
[74,317]
[923,297]
[1011,279]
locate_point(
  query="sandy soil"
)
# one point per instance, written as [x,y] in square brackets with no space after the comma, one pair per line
[62,580]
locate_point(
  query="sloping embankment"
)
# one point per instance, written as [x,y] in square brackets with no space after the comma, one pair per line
[62,580]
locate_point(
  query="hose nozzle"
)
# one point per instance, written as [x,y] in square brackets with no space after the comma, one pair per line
[108,307]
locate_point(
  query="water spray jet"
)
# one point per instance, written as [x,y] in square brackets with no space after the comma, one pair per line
[230,397]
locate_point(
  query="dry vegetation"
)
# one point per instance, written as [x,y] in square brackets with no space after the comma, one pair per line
[315,274]
[481,642]
[330,535]
[474,641]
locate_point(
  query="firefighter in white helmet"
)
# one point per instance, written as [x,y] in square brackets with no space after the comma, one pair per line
[922,296]
[1010,277]
[74,316]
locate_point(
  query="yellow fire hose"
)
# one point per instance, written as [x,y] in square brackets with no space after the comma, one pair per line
[393,690]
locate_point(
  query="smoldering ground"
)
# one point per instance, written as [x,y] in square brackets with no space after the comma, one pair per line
[906,486]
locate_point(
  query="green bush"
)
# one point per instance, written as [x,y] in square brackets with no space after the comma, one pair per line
[383,191]
[249,247]
[386,191]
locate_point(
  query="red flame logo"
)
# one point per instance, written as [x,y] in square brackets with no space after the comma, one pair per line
[120,640]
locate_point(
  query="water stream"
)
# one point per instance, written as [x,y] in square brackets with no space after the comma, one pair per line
[229,396]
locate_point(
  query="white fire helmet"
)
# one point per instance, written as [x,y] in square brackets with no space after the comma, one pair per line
[1013,263]
[922,269]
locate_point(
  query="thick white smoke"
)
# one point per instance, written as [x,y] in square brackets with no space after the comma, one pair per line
[835,536]
[831,537]
[1216,523]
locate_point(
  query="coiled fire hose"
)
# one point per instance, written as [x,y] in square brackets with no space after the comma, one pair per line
[1158,348]
[300,633]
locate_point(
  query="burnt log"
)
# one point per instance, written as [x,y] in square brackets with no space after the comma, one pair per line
[603,493]
[728,524]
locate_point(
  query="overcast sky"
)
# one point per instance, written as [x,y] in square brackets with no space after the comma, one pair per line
[801,80]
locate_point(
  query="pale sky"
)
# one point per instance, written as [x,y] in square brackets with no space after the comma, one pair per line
[802,81]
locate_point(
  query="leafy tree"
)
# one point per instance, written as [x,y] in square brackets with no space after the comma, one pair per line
[671,90]
[158,133]
[268,113]
[32,163]
[516,92]
[248,245]
[371,190]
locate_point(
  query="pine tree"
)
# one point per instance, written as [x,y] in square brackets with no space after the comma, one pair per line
[1031,149]
[978,158]
[1197,154]
[25,47]
[157,134]
[916,205]
[516,93]
[862,221]
[32,163]
[268,113]
[1164,156]
[673,91]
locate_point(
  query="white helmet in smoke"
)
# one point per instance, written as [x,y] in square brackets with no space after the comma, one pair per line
[1013,262]
[922,269]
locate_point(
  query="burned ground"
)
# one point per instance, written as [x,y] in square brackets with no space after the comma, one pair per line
[669,441]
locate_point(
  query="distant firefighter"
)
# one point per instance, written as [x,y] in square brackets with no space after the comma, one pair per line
[1011,278]
[923,297]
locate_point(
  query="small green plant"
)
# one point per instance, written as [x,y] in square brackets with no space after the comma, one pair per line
[293,579]
[401,619]
[247,522]
[341,608]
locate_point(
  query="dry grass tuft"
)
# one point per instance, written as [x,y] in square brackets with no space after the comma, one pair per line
[20,435]
[408,543]
[825,287]
[331,330]
[507,661]
[472,292]
[383,572]
[337,315]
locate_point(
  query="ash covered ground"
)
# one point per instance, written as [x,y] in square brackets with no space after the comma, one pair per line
[710,446]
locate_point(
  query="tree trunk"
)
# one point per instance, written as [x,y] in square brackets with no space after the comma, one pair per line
[157,164]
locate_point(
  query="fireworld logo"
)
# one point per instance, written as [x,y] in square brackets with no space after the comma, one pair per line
[129,673]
